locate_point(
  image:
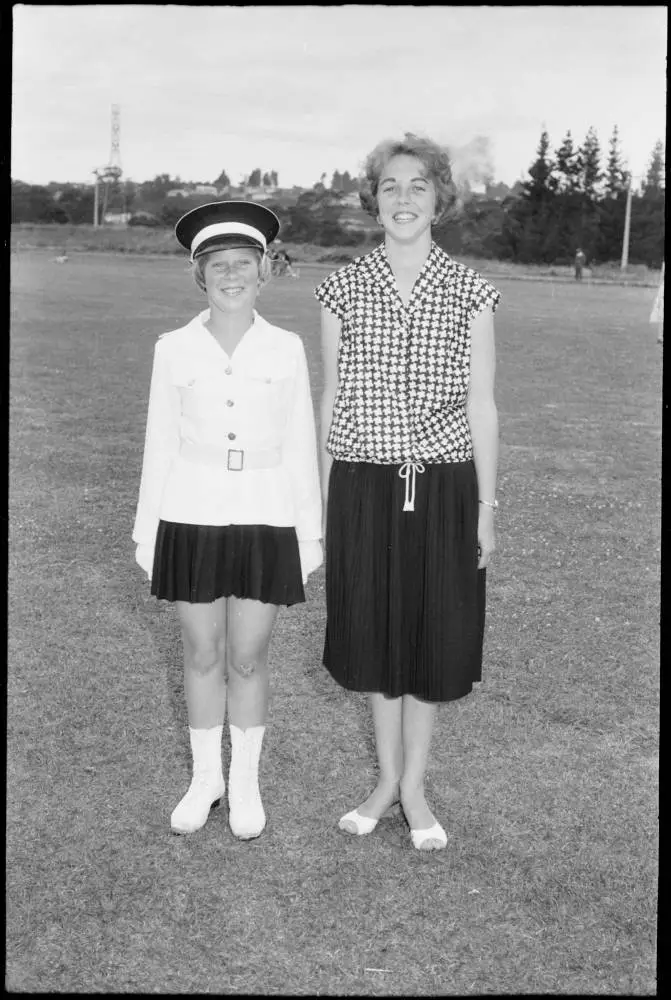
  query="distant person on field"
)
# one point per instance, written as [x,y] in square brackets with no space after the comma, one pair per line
[229,514]
[657,313]
[579,263]
[410,439]
[280,255]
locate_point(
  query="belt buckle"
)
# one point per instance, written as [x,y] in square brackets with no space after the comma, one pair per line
[235,467]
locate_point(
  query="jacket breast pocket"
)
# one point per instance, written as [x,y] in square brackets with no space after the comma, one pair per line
[268,390]
[186,387]
[196,392]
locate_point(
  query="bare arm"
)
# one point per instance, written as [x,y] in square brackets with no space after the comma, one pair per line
[484,424]
[300,456]
[330,335]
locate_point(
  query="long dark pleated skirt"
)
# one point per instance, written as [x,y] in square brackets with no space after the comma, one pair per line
[199,563]
[404,597]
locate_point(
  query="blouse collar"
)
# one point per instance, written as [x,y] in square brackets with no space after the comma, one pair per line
[202,318]
[376,269]
[247,341]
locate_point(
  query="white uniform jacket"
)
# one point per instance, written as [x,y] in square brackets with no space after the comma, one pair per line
[230,439]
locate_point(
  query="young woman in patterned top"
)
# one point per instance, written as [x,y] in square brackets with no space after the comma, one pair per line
[409,458]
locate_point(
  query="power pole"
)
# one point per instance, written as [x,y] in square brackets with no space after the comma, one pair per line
[96,211]
[627,225]
[627,222]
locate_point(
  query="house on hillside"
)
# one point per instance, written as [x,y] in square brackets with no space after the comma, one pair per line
[197,190]
[117,218]
[262,192]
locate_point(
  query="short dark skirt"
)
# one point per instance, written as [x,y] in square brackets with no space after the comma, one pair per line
[404,597]
[200,563]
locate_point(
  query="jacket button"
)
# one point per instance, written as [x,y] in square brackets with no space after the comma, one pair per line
[229,402]
[232,436]
[229,370]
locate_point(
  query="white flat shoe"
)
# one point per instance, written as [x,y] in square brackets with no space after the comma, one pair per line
[433,839]
[191,813]
[353,822]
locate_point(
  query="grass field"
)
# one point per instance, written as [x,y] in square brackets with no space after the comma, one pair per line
[65,239]
[545,778]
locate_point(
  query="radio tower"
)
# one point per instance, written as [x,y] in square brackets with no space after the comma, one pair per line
[110,174]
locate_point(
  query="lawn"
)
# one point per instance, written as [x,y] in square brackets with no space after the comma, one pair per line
[545,777]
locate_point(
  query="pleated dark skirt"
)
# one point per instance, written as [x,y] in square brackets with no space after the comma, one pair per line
[200,563]
[405,600]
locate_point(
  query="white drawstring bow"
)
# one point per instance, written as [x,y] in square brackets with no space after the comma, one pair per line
[408,471]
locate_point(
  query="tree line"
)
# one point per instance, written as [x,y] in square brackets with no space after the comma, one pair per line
[569,200]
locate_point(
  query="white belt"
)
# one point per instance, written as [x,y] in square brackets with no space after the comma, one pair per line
[233,459]
[408,471]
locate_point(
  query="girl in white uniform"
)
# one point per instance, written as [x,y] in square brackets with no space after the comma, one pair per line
[229,513]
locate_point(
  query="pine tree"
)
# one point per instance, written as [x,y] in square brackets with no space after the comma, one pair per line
[617,177]
[541,171]
[336,181]
[567,209]
[223,180]
[582,227]
[647,215]
[590,156]
[654,178]
[568,166]
[528,227]
[529,224]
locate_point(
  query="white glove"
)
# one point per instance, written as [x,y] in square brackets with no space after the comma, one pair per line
[311,557]
[144,557]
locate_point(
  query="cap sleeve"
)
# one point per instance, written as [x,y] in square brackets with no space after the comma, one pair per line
[484,294]
[332,292]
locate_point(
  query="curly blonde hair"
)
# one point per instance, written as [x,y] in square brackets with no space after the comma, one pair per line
[197,268]
[435,159]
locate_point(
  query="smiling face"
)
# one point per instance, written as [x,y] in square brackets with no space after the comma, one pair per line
[232,279]
[406,199]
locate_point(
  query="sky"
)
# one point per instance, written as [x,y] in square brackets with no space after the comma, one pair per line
[306,90]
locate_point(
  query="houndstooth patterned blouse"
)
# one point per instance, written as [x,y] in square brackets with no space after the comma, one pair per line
[403,371]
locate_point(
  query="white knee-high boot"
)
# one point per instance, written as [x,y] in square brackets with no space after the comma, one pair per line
[207,784]
[246,815]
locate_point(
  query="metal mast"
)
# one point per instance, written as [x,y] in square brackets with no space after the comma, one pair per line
[110,174]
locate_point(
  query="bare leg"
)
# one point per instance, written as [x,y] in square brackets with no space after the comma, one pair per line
[204,641]
[418,718]
[387,720]
[250,625]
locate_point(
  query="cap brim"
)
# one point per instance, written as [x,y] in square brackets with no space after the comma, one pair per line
[228,241]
